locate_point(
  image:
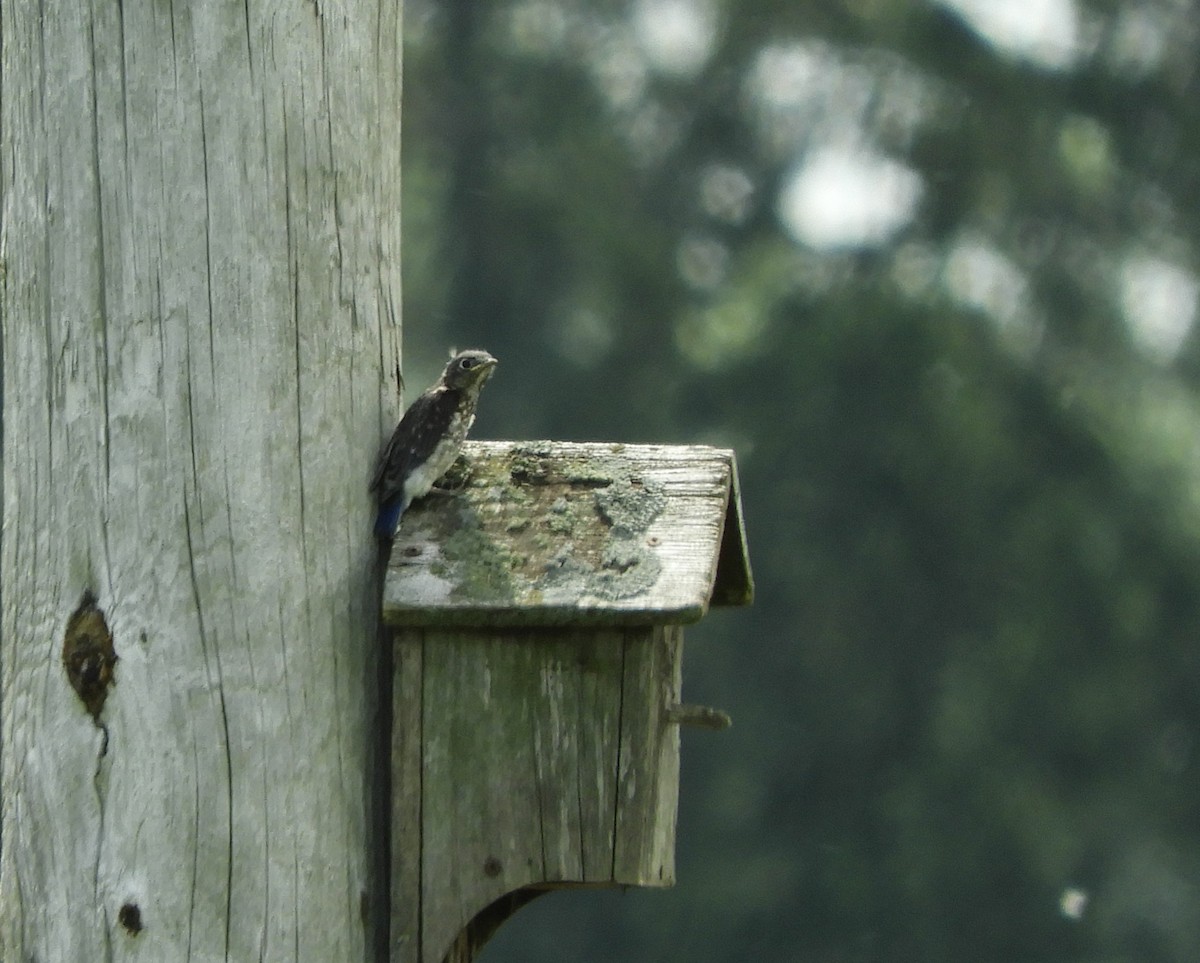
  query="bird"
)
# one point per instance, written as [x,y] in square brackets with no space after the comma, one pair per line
[428,438]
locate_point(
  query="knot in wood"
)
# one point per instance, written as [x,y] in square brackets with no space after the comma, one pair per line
[88,654]
[130,916]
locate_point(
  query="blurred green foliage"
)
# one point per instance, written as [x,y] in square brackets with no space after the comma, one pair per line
[966,700]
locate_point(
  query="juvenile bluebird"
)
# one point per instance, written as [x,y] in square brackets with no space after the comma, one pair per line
[428,438]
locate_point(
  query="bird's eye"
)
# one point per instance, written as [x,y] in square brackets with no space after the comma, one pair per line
[468,363]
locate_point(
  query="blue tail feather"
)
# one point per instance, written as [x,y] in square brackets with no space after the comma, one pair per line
[389,518]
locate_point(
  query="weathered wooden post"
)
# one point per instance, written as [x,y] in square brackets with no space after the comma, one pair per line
[537,616]
[199,300]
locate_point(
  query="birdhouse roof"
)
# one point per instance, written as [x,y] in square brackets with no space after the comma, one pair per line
[557,533]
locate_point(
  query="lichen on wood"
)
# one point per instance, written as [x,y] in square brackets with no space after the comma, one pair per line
[564,533]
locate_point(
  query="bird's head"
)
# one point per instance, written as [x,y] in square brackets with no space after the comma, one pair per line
[468,369]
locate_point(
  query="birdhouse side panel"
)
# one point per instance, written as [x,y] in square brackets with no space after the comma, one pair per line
[648,772]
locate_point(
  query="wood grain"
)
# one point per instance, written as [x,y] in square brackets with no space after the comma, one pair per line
[199,254]
[547,761]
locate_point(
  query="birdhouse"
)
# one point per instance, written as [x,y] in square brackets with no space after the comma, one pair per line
[537,616]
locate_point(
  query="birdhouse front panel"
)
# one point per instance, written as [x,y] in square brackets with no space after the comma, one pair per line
[544,761]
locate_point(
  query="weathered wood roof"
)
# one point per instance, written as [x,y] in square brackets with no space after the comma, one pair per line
[556,533]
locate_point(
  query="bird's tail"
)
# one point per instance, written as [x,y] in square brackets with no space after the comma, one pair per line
[388,518]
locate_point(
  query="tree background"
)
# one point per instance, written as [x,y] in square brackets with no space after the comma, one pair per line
[929,268]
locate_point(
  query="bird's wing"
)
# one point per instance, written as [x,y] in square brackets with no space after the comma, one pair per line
[422,427]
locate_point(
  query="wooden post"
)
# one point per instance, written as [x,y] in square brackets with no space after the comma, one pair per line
[199,300]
